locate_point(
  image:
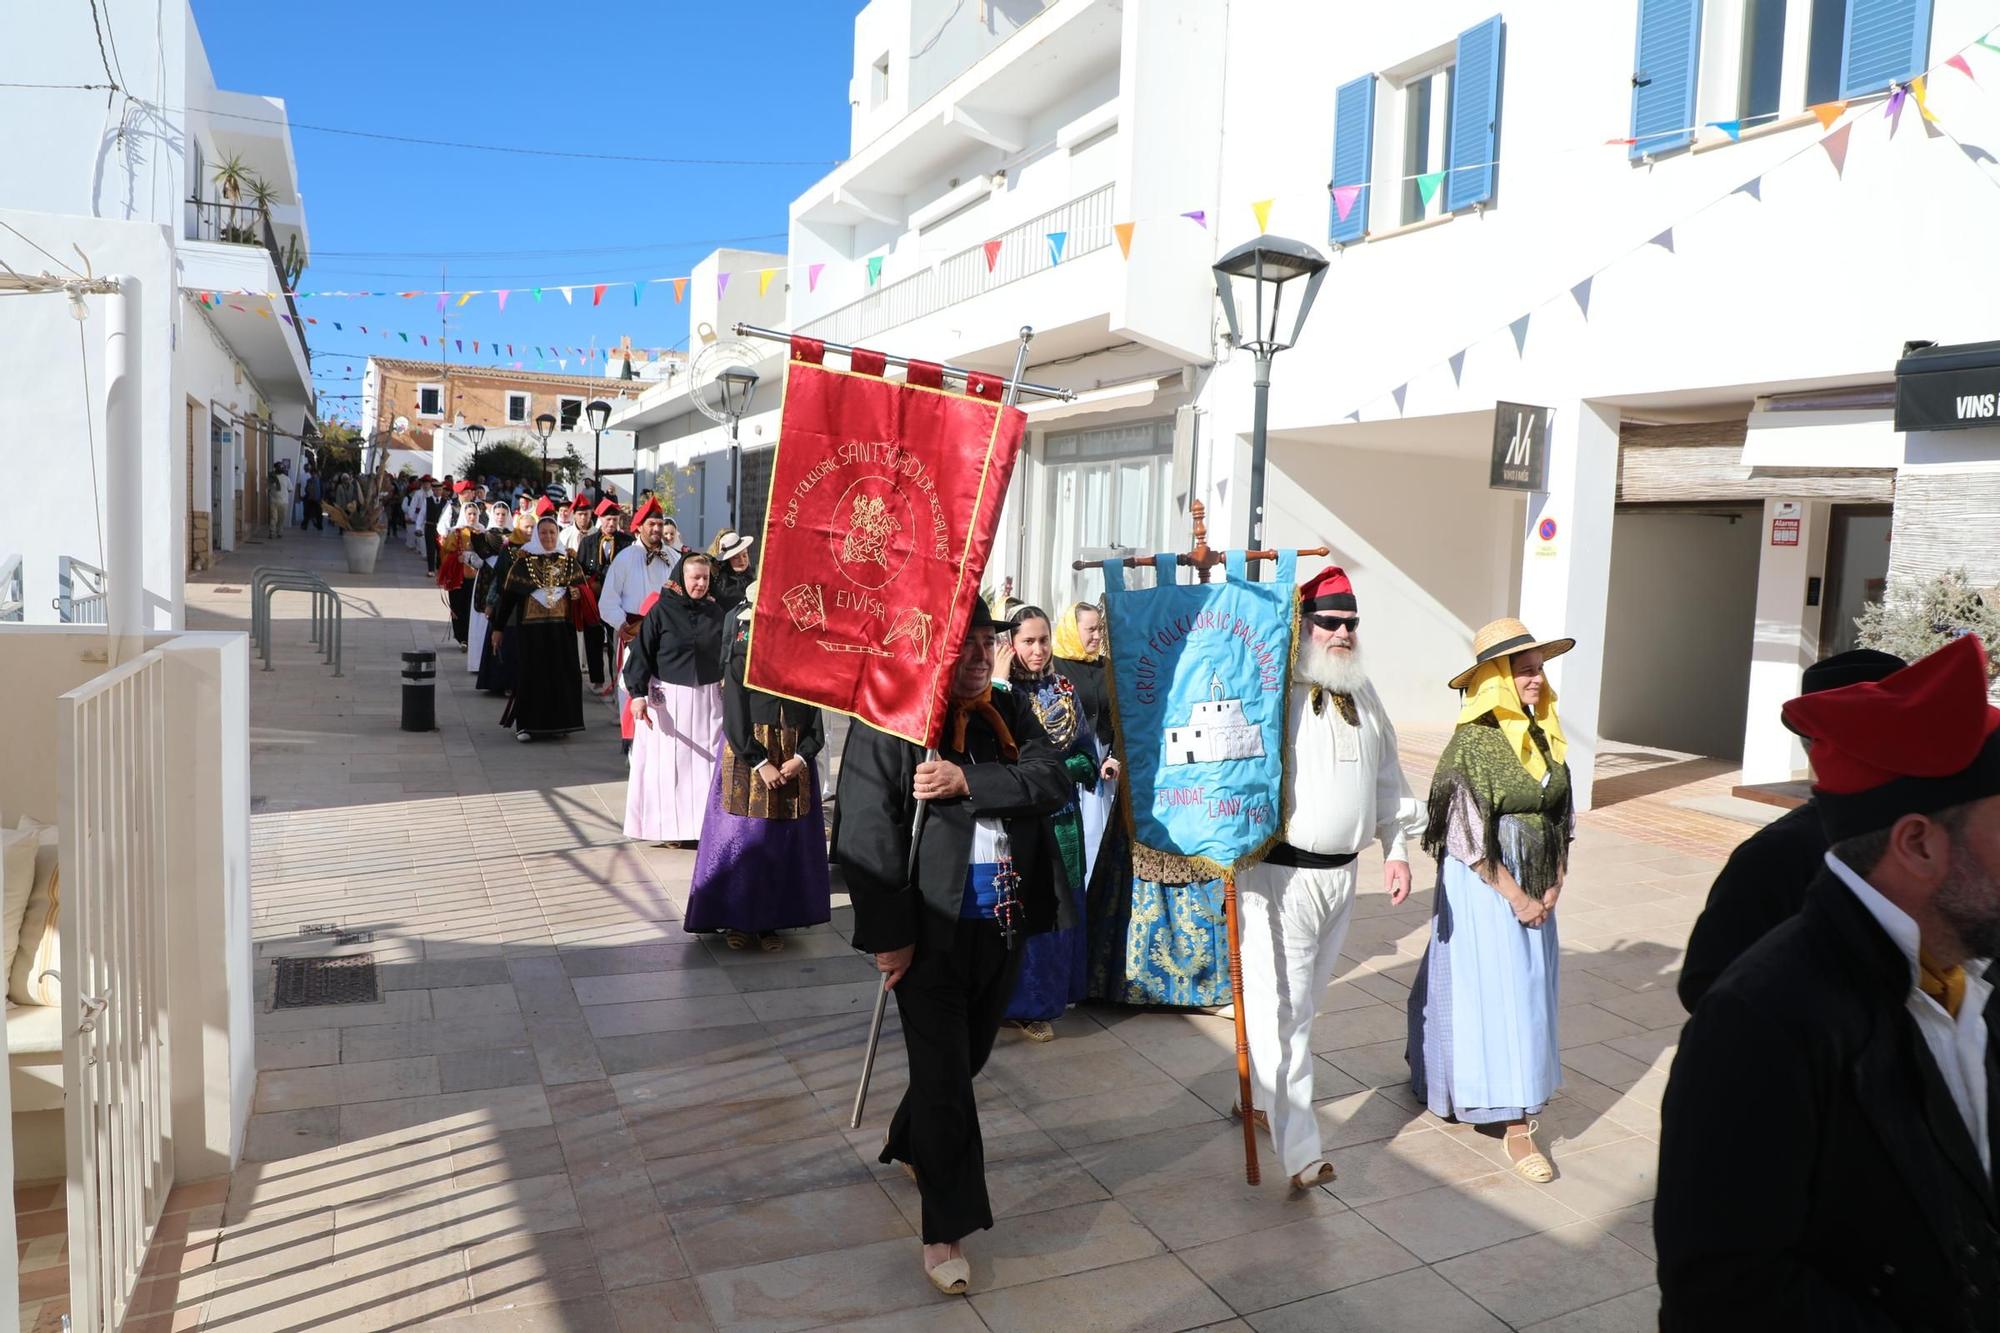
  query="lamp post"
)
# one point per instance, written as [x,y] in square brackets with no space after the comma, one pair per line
[1268,264]
[599,413]
[475,434]
[545,426]
[739,388]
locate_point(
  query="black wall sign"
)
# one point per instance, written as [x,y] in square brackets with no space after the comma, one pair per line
[1949,388]
[1520,448]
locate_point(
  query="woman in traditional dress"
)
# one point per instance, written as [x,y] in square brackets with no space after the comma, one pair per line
[489,547]
[1055,966]
[536,600]
[496,664]
[1482,1012]
[762,865]
[673,669]
[1079,659]
[731,551]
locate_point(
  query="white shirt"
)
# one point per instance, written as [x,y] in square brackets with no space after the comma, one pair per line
[1345,785]
[630,580]
[1957,1045]
[568,538]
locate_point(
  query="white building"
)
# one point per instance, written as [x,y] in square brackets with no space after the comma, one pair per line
[124,183]
[1724,475]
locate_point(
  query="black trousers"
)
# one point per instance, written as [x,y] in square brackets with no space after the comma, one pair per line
[430,550]
[950,1004]
[461,610]
[593,652]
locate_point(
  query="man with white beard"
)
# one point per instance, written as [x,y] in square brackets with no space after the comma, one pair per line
[1343,787]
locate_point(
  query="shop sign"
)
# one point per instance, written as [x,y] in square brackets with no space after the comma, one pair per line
[1949,388]
[1520,448]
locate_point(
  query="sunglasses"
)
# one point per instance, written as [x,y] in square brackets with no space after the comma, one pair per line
[1329,622]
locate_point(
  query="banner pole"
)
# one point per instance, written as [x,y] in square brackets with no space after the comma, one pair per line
[960,372]
[882,995]
[1020,364]
[1251,1175]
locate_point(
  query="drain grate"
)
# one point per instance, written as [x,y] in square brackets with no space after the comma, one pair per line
[306,982]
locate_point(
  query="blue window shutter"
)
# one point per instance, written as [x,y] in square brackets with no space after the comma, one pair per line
[1353,154]
[1663,75]
[1474,136]
[1887,42]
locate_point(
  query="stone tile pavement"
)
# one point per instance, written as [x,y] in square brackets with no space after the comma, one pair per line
[565,1113]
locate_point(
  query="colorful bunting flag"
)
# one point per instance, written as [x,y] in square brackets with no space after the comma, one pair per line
[569,295]
[596,294]
[1199,217]
[637,287]
[1427,188]
[460,342]
[992,249]
[1732,128]
[503,298]
[874,269]
[680,289]
[1896,96]
[1344,197]
[538,296]
[1987,42]
[812,276]
[425,337]
[1959,63]
[1918,92]
[1581,293]
[1056,239]
[1399,393]
[1976,153]
[1665,240]
[1123,231]
[1519,328]
[1836,147]
[441,296]
[721,285]
[1262,208]
[1827,113]
[764,276]
[1457,360]
[464,297]
[1754,187]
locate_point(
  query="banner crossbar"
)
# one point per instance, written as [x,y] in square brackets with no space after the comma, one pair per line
[1016,386]
[1203,557]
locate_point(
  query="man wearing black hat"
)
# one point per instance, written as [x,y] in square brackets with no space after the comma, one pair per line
[947,939]
[1765,880]
[1861,1194]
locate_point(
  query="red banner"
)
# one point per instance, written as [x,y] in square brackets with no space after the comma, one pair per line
[884,499]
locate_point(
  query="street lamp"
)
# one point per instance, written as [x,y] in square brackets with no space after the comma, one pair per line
[599,413]
[1268,264]
[739,388]
[545,426]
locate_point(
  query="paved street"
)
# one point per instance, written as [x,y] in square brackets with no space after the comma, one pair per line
[565,1113]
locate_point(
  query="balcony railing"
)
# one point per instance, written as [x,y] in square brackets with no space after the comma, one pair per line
[80,592]
[248,224]
[1024,251]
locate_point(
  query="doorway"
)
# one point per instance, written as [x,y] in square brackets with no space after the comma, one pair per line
[1857,572]
[1107,490]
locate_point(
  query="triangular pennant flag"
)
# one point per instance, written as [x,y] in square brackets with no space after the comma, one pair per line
[569,295]
[722,283]
[1399,393]
[425,338]
[1427,187]
[1665,240]
[1354,415]
[1262,208]
[1582,294]
[1932,130]
[597,294]
[407,295]
[1827,113]
[874,269]
[1343,199]
[812,276]
[1732,128]
[1457,362]
[441,296]
[764,276]
[510,349]
[464,297]
[1056,242]
[1987,42]
[1894,110]
[992,249]
[262,313]
[1123,231]
[538,295]
[1976,153]
[336,329]
[637,287]
[680,289]
[503,298]
[1918,91]
[1199,217]
[1519,328]
[1836,147]
[460,342]
[1754,187]
[364,327]
[287,319]
[1959,63]
[475,346]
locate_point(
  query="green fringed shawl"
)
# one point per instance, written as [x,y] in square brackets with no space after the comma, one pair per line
[1526,825]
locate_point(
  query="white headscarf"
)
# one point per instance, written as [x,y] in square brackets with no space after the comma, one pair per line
[534,545]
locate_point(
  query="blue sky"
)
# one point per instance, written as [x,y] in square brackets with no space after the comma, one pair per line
[749,79]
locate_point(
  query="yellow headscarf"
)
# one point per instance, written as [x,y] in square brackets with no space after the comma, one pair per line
[1492,691]
[1068,638]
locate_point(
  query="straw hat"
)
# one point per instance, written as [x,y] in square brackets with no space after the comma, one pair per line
[1503,638]
[729,544]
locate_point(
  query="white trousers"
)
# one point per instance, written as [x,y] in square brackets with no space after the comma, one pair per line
[1292,923]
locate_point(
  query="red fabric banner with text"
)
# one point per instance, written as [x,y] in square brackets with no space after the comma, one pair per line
[884,500]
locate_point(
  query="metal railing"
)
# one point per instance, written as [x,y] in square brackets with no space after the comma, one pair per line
[80,587]
[12,609]
[248,224]
[1025,250]
[112,813]
[267,580]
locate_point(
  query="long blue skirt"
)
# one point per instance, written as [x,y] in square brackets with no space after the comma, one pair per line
[1482,1013]
[757,875]
[1055,965]
[1162,944]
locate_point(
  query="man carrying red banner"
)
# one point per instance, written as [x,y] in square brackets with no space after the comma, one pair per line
[948,939]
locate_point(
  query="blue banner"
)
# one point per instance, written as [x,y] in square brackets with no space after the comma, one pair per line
[1200,674]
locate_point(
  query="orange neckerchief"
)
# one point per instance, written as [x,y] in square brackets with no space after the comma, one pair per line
[982,704]
[1946,985]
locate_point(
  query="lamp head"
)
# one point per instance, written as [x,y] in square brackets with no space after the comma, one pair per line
[476,434]
[545,426]
[739,388]
[599,413]
[1260,271]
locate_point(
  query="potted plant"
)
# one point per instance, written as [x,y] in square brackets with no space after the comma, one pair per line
[232,174]
[360,520]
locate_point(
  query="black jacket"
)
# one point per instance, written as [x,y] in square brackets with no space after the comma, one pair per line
[1761,888]
[595,559]
[1093,695]
[872,818]
[1814,1172]
[679,641]
[745,709]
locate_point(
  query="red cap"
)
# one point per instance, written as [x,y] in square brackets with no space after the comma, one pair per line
[1328,590]
[544,506]
[650,509]
[1914,742]
[606,507]
[461,488]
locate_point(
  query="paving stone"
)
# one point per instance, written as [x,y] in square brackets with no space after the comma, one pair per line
[281,1134]
[861,1283]
[1556,1272]
[463,1071]
[1418,1301]
[1288,1263]
[1156,1293]
[339,1084]
[730,1175]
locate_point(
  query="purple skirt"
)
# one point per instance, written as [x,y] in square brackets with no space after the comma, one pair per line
[759,874]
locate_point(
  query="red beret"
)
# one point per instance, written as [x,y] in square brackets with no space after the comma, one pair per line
[461,488]
[606,507]
[1328,590]
[544,506]
[1914,742]
[650,509]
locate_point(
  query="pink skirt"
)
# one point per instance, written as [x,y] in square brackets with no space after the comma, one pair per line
[673,761]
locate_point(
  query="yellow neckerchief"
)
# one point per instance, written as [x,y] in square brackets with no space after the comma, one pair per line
[1946,985]
[982,704]
[1492,691]
[1068,639]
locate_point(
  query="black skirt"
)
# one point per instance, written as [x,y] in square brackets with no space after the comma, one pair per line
[548,690]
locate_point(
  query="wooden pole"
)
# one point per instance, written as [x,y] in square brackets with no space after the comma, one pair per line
[1251,1175]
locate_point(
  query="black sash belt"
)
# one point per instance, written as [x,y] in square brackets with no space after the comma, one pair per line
[1284,854]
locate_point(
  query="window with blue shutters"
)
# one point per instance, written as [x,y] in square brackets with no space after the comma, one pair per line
[1353,152]
[1475,117]
[1663,75]
[1888,41]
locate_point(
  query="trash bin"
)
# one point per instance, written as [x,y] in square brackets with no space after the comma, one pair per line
[420,691]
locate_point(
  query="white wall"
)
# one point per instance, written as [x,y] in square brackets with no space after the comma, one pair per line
[1785,641]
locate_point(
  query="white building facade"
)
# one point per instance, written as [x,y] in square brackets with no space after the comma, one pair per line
[1711,314]
[128,189]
